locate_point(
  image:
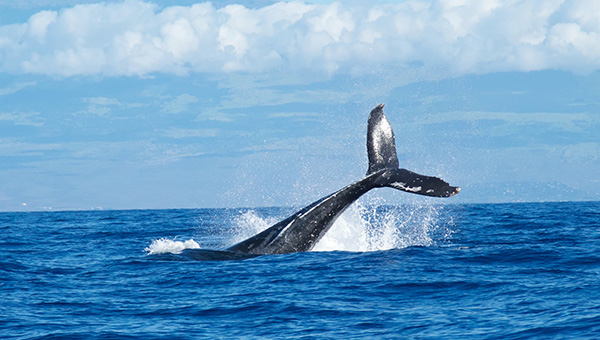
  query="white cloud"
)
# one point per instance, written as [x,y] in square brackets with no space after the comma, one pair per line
[447,36]
[190,133]
[102,101]
[38,24]
[98,110]
[15,88]
[217,116]
[23,118]
[179,104]
[569,122]
[20,149]
[582,153]
[297,115]
[99,106]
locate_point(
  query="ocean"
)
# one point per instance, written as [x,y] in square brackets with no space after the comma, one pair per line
[414,271]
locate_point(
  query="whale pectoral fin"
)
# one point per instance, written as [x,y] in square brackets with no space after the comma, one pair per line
[412,182]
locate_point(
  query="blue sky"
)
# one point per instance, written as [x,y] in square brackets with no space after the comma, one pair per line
[176,104]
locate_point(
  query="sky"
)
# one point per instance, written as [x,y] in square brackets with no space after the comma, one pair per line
[176,104]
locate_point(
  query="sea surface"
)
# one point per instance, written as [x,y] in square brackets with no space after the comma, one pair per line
[416,271]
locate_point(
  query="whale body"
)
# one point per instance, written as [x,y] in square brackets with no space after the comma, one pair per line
[301,231]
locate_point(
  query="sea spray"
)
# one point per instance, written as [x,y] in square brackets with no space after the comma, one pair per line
[365,227]
[362,227]
[247,224]
[347,233]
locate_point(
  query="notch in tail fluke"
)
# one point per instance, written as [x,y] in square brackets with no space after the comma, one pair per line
[381,144]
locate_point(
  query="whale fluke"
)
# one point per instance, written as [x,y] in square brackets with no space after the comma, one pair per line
[302,230]
[414,183]
[381,143]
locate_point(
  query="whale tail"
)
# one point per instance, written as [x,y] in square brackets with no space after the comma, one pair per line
[302,230]
[383,161]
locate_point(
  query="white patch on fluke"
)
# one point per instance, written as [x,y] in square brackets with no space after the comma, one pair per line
[403,186]
[383,134]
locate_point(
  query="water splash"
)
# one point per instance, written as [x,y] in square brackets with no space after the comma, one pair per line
[248,224]
[379,227]
[363,227]
[165,246]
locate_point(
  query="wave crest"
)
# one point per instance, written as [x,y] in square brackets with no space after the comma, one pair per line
[165,245]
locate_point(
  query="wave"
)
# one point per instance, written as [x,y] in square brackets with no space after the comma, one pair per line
[166,246]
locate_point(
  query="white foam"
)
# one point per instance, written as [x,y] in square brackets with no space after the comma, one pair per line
[347,233]
[369,228]
[165,245]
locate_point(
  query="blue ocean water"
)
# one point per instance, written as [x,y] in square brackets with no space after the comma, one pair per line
[488,271]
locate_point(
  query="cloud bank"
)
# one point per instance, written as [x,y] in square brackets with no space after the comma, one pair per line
[454,37]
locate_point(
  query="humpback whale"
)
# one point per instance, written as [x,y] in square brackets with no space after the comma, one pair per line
[301,231]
